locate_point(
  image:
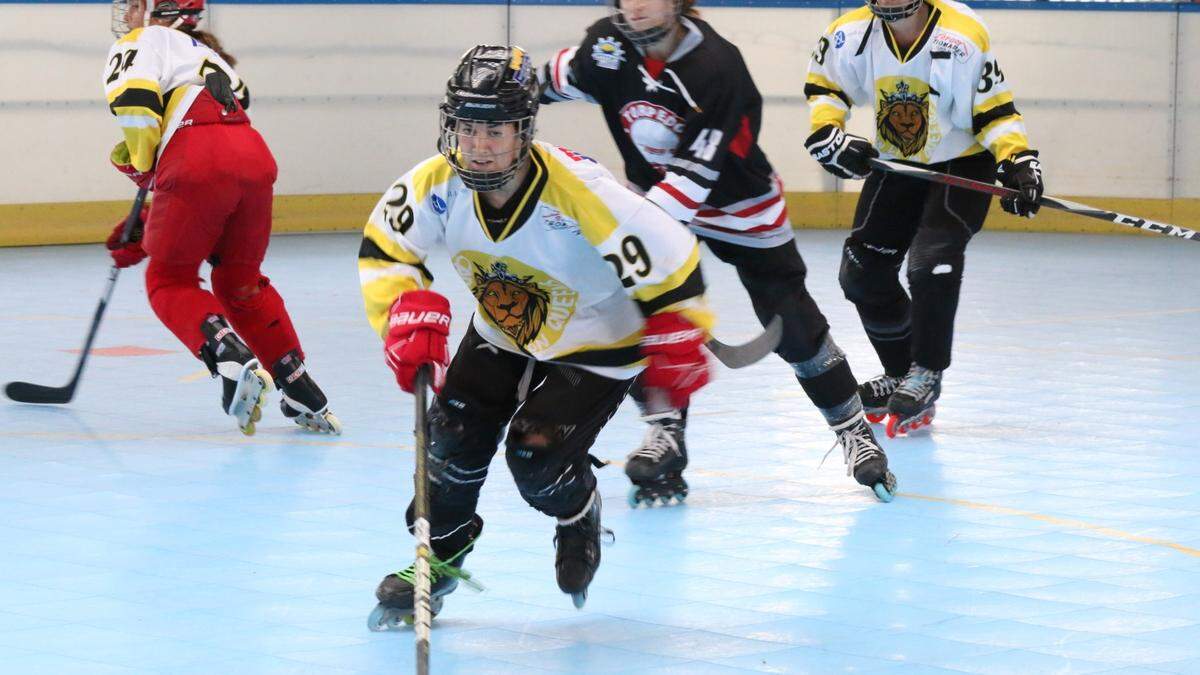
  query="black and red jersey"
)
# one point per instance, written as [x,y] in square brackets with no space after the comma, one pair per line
[686,127]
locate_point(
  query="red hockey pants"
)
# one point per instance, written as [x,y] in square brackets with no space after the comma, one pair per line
[212,201]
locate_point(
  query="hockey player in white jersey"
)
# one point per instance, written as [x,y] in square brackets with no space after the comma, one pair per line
[581,284]
[941,100]
[187,137]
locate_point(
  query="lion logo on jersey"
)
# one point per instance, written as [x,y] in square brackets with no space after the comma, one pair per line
[514,303]
[903,119]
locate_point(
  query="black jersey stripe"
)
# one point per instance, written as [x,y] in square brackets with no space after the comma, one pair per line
[979,122]
[369,250]
[138,98]
[811,90]
[691,287]
[866,37]
[616,357]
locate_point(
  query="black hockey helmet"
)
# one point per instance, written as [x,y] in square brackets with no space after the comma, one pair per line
[894,13]
[491,84]
[649,36]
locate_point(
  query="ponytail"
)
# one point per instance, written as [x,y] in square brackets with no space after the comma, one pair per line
[211,42]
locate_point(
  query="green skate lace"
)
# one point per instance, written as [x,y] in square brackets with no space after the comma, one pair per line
[439,568]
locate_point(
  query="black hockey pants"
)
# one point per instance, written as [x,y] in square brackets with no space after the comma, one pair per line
[932,223]
[553,413]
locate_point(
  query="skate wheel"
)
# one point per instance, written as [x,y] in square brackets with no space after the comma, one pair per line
[882,493]
[385,618]
[876,418]
[634,497]
[893,422]
[578,599]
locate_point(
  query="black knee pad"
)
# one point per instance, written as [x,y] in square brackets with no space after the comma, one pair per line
[869,274]
[553,477]
[460,447]
[937,259]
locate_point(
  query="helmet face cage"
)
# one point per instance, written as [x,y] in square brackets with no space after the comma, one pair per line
[492,85]
[184,12]
[894,13]
[120,27]
[642,38]
[449,144]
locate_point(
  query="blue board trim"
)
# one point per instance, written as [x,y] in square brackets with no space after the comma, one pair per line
[1041,5]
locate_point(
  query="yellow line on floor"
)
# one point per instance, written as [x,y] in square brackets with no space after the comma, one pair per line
[1056,520]
[196,376]
[275,439]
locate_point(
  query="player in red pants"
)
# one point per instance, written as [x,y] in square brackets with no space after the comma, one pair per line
[181,107]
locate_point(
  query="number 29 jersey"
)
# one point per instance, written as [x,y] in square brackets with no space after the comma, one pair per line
[942,98]
[569,277]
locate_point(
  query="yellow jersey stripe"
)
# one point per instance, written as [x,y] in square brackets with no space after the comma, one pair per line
[673,280]
[567,193]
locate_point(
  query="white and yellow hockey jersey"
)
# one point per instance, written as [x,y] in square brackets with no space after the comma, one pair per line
[944,97]
[153,76]
[569,277]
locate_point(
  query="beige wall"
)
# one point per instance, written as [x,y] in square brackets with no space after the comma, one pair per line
[346,94]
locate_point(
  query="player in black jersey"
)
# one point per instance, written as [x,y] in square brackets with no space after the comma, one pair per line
[685,115]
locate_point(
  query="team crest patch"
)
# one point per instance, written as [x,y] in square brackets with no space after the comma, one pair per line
[608,53]
[839,39]
[529,306]
[438,204]
[555,221]
[903,118]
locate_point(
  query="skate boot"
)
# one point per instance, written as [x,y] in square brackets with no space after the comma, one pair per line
[656,468]
[912,406]
[397,592]
[303,401]
[864,458]
[244,383]
[577,544]
[875,393]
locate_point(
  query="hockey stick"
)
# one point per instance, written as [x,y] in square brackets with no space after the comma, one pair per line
[1050,202]
[731,356]
[27,392]
[747,353]
[423,616]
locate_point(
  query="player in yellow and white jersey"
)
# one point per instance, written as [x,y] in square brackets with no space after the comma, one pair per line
[580,285]
[939,99]
[181,109]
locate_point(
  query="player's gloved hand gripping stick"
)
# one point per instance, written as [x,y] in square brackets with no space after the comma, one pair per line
[1049,202]
[26,392]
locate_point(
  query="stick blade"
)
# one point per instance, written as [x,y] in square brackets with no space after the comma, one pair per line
[27,392]
[740,356]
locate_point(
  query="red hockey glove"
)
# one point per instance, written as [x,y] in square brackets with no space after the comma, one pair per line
[121,160]
[129,253]
[418,324]
[675,362]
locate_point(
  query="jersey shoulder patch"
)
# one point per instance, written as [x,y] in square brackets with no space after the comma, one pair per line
[963,20]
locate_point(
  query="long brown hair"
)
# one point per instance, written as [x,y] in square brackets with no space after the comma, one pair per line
[211,42]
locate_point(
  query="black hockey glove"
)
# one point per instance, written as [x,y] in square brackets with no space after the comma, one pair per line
[221,87]
[843,155]
[1021,172]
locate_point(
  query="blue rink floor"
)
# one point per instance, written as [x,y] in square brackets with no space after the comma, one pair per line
[1050,522]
